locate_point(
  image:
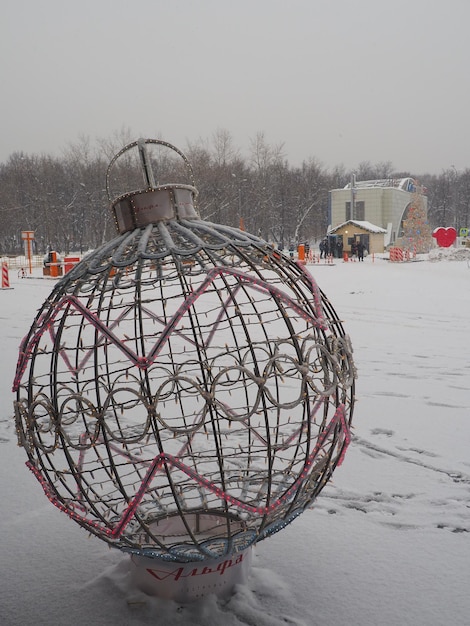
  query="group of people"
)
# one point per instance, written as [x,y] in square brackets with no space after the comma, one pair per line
[334,247]
[331,247]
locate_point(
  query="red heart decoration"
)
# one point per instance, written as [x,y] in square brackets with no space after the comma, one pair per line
[445,237]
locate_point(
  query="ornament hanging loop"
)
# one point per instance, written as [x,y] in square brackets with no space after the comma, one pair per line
[142,144]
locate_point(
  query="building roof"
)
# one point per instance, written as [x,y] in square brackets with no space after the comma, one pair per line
[371,228]
[405,184]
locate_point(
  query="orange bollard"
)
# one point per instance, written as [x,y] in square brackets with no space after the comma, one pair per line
[54,269]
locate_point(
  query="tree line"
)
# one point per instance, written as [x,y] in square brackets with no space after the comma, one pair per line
[64,201]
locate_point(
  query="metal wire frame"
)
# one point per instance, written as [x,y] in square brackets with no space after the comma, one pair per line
[123,335]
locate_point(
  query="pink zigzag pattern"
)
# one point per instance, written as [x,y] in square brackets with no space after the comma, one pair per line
[168,460]
[144,362]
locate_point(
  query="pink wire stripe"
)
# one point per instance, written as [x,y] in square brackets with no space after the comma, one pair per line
[46,322]
[338,419]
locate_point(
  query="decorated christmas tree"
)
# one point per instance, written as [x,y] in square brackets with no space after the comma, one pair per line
[416,230]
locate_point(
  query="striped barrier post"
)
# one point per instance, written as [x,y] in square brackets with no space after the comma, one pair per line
[396,255]
[5,277]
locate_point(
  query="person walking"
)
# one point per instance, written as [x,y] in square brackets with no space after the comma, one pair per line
[339,249]
[360,250]
[354,248]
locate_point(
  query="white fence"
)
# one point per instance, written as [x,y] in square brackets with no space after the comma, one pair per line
[17,262]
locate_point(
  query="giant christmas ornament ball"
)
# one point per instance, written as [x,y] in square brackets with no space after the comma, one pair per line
[186,390]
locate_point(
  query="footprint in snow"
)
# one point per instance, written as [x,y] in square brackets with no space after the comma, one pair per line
[382,431]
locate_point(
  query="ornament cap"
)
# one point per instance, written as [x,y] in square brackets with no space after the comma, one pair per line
[166,202]
[156,202]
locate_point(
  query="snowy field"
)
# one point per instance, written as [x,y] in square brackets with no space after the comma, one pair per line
[387,543]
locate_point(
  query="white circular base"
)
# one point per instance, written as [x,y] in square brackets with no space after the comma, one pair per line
[186,582]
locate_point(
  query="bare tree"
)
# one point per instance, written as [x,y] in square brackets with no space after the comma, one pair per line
[64,200]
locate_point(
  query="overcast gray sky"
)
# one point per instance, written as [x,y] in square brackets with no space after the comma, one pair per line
[343,81]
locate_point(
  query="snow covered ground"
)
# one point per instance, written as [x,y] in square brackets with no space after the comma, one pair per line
[387,542]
